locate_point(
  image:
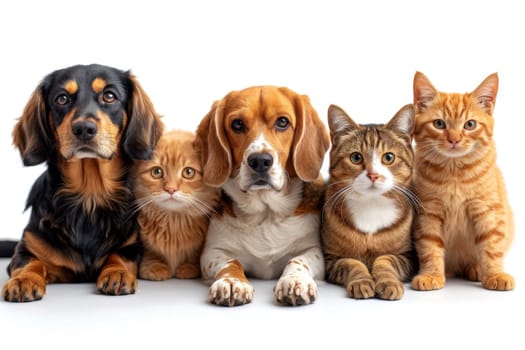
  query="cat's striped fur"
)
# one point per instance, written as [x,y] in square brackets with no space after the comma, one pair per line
[466,226]
[368,208]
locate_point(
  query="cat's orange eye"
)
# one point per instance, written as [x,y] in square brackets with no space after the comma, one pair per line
[470,124]
[439,124]
[188,173]
[388,158]
[356,158]
[157,172]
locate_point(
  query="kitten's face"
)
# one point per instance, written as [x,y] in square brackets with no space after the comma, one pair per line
[172,179]
[452,125]
[370,161]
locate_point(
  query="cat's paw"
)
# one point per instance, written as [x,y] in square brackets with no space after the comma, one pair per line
[389,289]
[295,290]
[116,282]
[473,273]
[428,282]
[154,271]
[230,292]
[24,288]
[187,270]
[499,281]
[361,289]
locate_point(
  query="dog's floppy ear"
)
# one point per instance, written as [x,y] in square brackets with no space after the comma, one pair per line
[213,147]
[31,134]
[311,140]
[144,126]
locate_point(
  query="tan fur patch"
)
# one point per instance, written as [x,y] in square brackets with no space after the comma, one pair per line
[98,85]
[71,87]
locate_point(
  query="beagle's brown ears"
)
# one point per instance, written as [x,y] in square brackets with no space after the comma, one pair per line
[32,135]
[212,145]
[311,140]
[144,127]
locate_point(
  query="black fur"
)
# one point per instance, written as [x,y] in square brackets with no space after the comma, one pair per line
[82,235]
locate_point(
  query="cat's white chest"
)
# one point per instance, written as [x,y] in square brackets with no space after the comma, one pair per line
[371,214]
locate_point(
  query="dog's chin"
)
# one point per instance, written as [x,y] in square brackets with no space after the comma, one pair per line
[261,185]
[88,153]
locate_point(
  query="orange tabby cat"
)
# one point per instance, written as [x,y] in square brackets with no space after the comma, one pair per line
[466,226]
[174,208]
[368,212]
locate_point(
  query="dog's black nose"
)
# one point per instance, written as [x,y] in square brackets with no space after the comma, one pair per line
[84,131]
[260,162]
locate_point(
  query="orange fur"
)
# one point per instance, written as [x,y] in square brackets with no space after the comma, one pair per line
[466,226]
[172,238]
[300,148]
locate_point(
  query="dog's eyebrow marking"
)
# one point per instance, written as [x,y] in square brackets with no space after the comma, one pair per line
[71,86]
[98,85]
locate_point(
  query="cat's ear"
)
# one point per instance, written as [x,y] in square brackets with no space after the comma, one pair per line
[485,93]
[404,122]
[424,92]
[339,122]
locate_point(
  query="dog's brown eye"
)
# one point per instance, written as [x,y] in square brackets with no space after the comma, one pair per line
[188,173]
[62,99]
[282,123]
[238,126]
[356,158]
[157,172]
[108,97]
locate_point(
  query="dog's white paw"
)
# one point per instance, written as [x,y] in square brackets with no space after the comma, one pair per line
[230,292]
[295,290]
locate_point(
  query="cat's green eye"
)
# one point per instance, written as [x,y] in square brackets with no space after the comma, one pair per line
[470,124]
[157,172]
[188,173]
[388,158]
[439,124]
[356,158]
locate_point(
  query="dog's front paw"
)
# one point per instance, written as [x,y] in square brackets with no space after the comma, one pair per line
[116,282]
[230,292]
[295,290]
[24,288]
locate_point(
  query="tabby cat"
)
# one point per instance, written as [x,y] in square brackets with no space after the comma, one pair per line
[369,208]
[466,226]
[174,208]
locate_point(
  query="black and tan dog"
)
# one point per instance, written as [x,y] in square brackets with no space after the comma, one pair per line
[88,124]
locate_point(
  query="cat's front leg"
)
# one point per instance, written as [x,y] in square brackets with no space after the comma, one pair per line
[430,248]
[389,271]
[354,275]
[493,234]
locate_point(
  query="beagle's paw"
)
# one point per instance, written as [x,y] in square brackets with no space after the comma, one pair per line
[230,292]
[295,290]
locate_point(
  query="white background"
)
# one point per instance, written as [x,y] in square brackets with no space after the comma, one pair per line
[359,55]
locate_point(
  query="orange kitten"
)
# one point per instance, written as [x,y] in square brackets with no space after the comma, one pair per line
[466,226]
[174,208]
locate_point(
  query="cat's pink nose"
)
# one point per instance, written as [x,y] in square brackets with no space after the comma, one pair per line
[372,176]
[170,189]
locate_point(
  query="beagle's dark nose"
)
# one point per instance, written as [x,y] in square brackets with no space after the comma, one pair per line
[260,162]
[84,131]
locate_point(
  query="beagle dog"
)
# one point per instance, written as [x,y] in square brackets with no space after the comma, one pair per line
[264,147]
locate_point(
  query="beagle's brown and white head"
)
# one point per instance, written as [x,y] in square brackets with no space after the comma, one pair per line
[262,136]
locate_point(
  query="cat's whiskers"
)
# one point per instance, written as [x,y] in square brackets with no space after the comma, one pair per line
[410,196]
[202,207]
[338,197]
